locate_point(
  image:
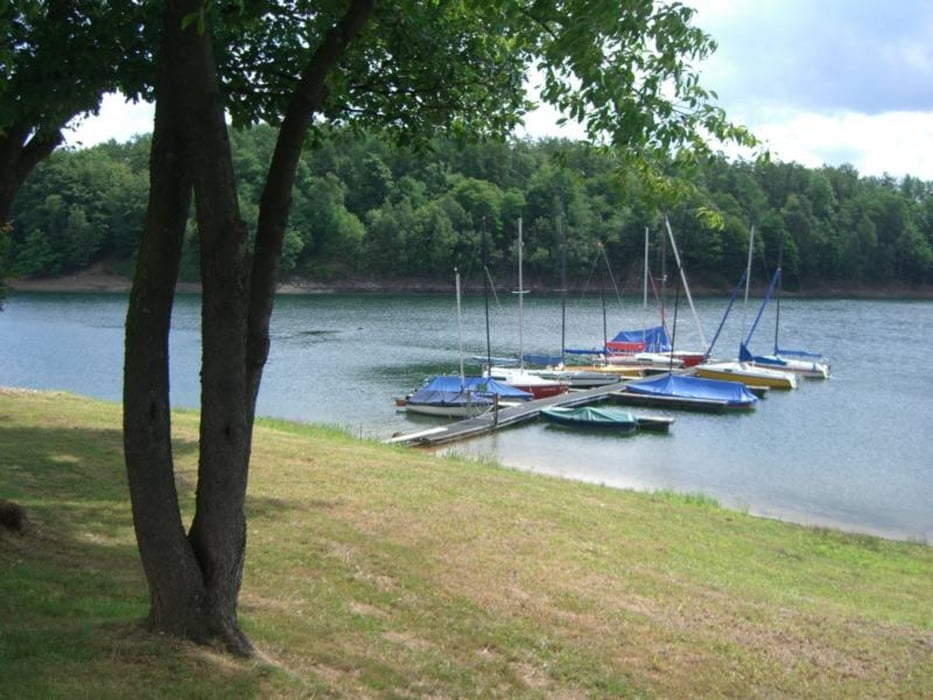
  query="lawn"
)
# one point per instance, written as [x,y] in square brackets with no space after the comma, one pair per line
[378,571]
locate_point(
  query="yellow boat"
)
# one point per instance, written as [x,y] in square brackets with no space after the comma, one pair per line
[747,374]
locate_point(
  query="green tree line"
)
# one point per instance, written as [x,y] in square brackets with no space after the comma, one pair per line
[365,208]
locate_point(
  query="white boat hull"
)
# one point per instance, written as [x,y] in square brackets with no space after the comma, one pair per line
[465,411]
[802,368]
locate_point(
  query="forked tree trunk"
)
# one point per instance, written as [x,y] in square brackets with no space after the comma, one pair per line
[195,580]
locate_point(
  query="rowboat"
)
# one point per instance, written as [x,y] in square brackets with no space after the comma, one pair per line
[604,418]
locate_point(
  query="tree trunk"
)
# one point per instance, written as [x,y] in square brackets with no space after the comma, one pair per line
[218,533]
[174,578]
[275,203]
[19,155]
[195,580]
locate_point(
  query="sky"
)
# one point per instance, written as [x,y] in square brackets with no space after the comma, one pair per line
[820,82]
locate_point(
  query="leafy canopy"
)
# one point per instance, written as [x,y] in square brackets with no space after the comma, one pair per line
[626,71]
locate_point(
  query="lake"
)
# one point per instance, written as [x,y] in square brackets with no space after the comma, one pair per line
[854,452]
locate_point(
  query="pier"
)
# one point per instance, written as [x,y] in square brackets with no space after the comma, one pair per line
[502,417]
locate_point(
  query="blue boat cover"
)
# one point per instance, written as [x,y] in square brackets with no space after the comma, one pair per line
[775,360]
[452,390]
[653,339]
[542,359]
[685,386]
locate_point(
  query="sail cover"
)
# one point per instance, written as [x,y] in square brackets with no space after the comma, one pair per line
[653,339]
[451,390]
[682,386]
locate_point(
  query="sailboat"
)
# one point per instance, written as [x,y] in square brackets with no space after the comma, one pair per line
[741,370]
[648,347]
[684,391]
[802,363]
[460,396]
[520,377]
[554,367]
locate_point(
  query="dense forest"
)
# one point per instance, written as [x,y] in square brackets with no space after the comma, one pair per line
[365,209]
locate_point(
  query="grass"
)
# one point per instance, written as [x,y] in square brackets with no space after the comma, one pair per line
[381,572]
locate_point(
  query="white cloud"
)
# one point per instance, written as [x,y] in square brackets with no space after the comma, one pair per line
[828,82]
[821,82]
[117,119]
[874,145]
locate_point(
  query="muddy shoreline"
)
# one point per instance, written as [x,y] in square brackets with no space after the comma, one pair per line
[97,281]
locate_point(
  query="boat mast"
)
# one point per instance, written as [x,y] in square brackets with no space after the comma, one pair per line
[683,278]
[563,285]
[521,294]
[602,298]
[486,295]
[644,294]
[459,328]
[777,296]
[748,276]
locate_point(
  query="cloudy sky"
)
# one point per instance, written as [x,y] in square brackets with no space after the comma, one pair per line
[819,81]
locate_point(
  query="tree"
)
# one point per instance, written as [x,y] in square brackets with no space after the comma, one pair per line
[407,67]
[57,59]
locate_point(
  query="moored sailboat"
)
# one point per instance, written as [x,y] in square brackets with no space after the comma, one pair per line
[460,396]
[687,392]
[452,396]
[802,363]
[742,370]
[520,377]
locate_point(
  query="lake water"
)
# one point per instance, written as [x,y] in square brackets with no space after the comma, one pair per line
[854,452]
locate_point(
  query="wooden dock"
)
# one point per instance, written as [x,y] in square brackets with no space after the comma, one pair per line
[503,417]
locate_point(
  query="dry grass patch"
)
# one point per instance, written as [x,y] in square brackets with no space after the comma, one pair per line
[376,571]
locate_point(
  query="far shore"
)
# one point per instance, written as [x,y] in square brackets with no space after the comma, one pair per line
[93,281]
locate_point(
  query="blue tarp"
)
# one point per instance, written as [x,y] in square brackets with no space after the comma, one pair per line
[653,339]
[689,387]
[452,390]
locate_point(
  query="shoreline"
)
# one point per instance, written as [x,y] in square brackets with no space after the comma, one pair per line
[101,282]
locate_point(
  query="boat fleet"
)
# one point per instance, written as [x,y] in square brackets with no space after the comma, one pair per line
[637,367]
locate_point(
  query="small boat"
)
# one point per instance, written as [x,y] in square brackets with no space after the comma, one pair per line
[746,373]
[574,376]
[799,364]
[529,381]
[460,397]
[810,365]
[686,392]
[604,418]
[519,377]
[806,365]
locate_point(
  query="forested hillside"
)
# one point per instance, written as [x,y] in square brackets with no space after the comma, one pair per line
[365,209]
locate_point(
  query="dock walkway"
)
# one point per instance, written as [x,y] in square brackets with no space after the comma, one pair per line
[502,417]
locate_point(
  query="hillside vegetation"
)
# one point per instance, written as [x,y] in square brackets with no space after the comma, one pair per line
[364,209]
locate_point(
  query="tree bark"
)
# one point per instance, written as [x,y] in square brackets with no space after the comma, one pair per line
[274,206]
[195,580]
[172,572]
[218,533]
[19,155]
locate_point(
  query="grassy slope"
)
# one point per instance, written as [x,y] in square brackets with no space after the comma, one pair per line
[375,571]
